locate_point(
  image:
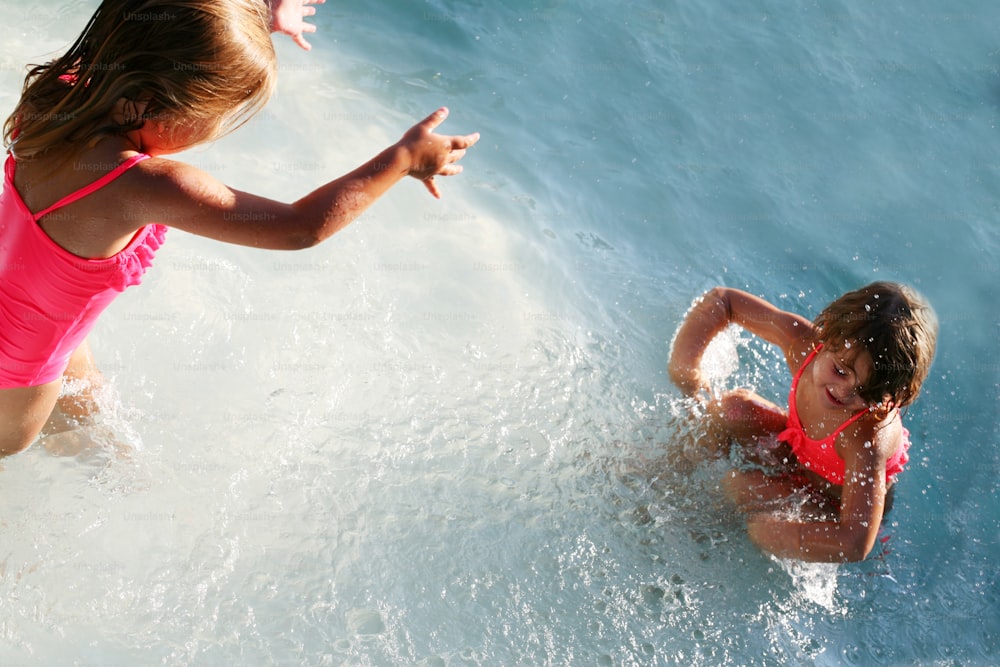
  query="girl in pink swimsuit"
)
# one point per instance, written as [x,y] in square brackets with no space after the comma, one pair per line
[88,193]
[842,440]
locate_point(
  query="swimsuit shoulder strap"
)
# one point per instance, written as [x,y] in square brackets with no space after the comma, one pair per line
[850,420]
[93,187]
[853,418]
[809,358]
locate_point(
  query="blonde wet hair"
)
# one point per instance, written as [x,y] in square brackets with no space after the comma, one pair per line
[206,65]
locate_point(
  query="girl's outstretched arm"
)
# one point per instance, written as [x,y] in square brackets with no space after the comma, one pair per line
[182,196]
[288,17]
[718,308]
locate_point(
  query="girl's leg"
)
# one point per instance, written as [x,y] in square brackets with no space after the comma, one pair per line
[76,405]
[753,491]
[26,411]
[739,416]
[744,415]
[757,494]
[82,381]
[23,413]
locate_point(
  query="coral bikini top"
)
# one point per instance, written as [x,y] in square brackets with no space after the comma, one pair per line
[820,456]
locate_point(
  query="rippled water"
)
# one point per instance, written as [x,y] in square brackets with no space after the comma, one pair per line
[445,437]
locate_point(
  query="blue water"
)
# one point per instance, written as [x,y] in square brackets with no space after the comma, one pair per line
[442,438]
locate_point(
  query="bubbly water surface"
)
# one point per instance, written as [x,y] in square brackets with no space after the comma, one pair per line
[446,437]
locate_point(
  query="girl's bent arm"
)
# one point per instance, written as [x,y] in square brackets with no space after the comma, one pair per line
[810,541]
[709,315]
[185,197]
[718,308]
[849,538]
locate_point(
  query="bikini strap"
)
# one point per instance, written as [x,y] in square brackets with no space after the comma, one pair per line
[93,187]
[853,418]
[809,358]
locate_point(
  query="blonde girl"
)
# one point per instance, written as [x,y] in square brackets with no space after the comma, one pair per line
[89,192]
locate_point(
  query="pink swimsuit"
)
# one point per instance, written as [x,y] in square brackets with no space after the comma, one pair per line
[820,456]
[49,297]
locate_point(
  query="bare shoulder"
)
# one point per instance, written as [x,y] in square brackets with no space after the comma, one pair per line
[160,176]
[165,191]
[182,196]
[873,440]
[800,347]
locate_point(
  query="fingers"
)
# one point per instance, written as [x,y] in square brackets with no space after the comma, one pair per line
[455,156]
[447,170]
[430,123]
[461,143]
[448,149]
[432,187]
[434,119]
[306,27]
[300,38]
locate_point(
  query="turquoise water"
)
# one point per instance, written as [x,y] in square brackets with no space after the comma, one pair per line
[442,438]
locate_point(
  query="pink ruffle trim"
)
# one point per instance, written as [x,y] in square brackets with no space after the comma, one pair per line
[134,262]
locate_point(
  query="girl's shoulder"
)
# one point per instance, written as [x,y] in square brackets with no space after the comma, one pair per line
[874,437]
[46,179]
[800,346]
[173,188]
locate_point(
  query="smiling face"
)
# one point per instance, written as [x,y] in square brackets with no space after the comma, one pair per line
[839,373]
[897,328]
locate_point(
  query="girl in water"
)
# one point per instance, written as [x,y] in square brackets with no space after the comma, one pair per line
[89,193]
[835,453]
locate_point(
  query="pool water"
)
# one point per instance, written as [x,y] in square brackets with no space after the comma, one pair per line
[446,436]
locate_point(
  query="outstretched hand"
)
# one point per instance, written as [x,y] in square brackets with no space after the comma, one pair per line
[433,154]
[287,16]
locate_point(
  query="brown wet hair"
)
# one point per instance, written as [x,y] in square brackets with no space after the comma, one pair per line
[896,326]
